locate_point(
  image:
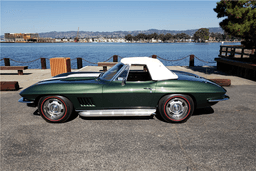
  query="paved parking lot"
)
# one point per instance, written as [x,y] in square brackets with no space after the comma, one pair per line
[219,138]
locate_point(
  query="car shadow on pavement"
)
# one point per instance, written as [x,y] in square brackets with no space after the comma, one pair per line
[203,111]
[197,112]
[72,117]
[14,73]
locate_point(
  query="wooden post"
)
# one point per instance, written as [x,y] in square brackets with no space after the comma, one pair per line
[115,58]
[154,56]
[253,56]
[79,63]
[7,61]
[191,60]
[242,55]
[43,63]
[20,72]
[105,68]
[220,51]
[232,53]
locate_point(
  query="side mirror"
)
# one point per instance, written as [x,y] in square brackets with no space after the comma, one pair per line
[123,82]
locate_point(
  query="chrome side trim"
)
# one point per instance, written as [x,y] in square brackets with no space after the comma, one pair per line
[22,100]
[217,100]
[117,112]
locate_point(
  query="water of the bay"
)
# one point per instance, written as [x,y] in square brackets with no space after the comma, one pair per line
[21,54]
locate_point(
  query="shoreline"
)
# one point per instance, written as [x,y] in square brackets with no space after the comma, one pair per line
[132,42]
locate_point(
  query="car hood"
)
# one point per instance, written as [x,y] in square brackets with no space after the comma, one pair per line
[72,83]
[75,76]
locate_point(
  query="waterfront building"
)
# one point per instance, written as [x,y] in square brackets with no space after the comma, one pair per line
[21,37]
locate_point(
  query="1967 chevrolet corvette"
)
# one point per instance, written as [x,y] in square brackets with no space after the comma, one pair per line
[136,86]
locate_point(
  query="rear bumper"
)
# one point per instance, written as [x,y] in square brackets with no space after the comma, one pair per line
[23,100]
[225,97]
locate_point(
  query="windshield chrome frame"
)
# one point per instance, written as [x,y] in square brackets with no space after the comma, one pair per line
[120,71]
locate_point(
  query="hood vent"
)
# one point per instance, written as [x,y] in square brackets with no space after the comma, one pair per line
[86,101]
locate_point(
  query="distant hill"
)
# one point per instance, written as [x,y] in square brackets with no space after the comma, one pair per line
[114,34]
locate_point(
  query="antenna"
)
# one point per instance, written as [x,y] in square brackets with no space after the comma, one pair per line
[77,36]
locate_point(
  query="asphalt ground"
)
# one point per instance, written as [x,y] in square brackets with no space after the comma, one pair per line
[217,138]
[222,137]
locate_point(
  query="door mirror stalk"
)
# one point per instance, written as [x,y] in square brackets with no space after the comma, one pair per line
[123,82]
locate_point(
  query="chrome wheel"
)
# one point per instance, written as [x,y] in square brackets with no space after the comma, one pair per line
[53,108]
[177,108]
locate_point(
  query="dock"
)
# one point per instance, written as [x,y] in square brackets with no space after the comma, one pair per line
[221,137]
[32,76]
[237,60]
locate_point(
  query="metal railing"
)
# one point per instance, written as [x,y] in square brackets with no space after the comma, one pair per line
[235,52]
[115,59]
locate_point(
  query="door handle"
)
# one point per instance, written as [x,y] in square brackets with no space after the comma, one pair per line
[147,88]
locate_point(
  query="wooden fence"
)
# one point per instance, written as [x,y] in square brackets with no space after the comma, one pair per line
[238,52]
[237,60]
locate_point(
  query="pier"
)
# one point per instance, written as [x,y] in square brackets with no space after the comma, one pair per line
[228,125]
[237,60]
[27,140]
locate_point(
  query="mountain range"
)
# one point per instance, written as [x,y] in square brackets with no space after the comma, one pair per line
[119,34]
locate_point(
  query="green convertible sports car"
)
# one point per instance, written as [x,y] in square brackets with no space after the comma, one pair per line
[136,86]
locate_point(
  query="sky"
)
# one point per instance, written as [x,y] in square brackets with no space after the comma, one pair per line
[44,16]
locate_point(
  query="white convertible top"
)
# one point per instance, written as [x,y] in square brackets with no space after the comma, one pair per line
[155,67]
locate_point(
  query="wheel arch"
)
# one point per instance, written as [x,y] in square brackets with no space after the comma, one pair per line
[188,94]
[44,95]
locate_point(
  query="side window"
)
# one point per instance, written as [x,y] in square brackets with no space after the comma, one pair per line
[139,73]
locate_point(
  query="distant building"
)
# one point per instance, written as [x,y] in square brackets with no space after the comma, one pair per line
[58,40]
[21,37]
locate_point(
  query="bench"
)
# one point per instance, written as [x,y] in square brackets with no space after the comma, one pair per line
[107,63]
[9,85]
[19,68]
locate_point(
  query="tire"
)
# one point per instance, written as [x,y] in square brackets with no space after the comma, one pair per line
[55,109]
[176,108]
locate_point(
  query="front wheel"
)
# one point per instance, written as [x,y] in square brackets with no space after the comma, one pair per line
[176,107]
[55,108]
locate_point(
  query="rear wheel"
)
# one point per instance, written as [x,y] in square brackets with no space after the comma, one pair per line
[55,108]
[176,107]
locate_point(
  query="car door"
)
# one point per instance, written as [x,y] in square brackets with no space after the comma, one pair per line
[120,93]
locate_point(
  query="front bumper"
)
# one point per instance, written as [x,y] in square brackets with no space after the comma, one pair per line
[225,97]
[23,100]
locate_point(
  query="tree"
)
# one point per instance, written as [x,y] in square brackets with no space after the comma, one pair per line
[202,34]
[182,36]
[161,37]
[240,19]
[153,36]
[141,36]
[168,36]
[218,36]
[128,37]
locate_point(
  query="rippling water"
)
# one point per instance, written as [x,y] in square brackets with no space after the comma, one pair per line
[98,52]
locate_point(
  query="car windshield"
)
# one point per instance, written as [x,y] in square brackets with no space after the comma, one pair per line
[112,72]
